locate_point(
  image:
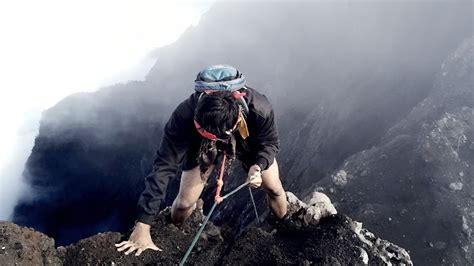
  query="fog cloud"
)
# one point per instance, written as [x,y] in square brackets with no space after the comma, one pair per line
[51,49]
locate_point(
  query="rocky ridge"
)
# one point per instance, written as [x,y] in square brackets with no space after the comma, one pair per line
[25,246]
[313,234]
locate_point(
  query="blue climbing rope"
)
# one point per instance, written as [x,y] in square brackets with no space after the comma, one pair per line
[254,206]
[199,232]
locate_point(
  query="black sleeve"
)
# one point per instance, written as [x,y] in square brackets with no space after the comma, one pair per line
[267,139]
[174,144]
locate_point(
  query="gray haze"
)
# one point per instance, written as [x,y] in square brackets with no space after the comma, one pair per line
[49,50]
[13,186]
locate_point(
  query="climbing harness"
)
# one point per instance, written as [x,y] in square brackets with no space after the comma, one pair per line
[217,200]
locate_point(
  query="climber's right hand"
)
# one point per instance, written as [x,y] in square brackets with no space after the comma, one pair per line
[139,240]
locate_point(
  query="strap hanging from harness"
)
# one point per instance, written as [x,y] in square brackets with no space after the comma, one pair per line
[220,181]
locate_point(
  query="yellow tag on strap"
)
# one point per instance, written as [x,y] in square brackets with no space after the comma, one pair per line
[243,129]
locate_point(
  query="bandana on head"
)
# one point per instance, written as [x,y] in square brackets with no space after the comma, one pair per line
[219,78]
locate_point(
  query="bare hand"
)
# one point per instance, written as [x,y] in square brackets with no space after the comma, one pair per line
[139,240]
[255,176]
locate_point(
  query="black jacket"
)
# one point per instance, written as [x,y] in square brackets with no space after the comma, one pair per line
[180,136]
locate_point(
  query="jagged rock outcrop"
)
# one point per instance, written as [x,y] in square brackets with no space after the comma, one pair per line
[303,239]
[416,186]
[25,246]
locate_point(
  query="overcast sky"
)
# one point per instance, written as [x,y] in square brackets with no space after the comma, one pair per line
[52,48]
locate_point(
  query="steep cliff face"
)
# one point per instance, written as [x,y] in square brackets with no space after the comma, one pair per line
[313,234]
[339,76]
[416,186]
[86,166]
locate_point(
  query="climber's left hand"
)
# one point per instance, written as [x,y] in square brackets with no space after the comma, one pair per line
[255,176]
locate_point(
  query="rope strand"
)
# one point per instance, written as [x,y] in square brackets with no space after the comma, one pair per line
[199,232]
[254,206]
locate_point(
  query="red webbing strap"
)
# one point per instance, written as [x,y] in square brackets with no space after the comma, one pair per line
[220,182]
[238,94]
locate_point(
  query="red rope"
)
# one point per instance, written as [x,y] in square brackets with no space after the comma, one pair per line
[220,182]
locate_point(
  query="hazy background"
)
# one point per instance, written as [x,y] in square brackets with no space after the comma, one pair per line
[51,49]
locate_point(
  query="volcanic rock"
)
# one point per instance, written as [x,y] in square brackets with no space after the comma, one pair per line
[328,239]
[25,246]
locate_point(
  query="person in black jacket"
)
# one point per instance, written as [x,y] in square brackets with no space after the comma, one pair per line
[237,121]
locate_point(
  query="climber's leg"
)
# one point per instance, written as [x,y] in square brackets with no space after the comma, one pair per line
[275,193]
[190,188]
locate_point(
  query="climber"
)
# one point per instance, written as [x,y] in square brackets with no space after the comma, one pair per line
[222,116]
